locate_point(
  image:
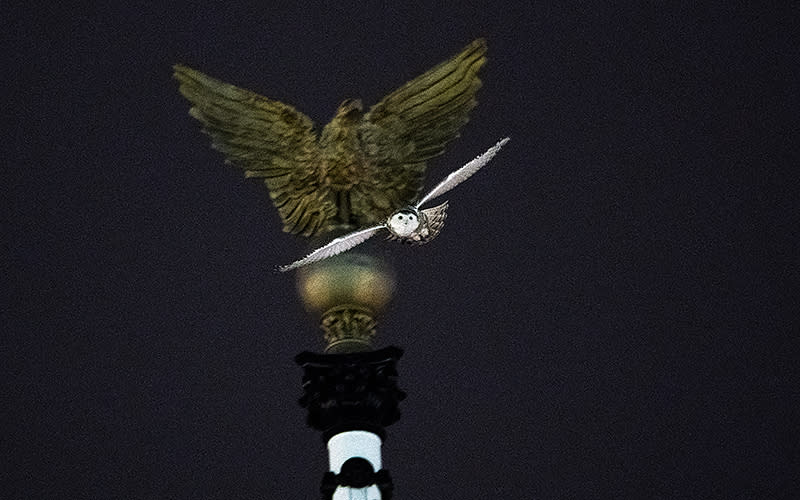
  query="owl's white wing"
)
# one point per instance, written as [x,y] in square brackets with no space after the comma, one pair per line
[463,173]
[335,247]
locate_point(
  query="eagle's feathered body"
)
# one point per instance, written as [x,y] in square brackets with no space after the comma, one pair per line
[362,166]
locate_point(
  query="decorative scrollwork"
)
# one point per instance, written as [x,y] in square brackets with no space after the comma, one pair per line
[348,324]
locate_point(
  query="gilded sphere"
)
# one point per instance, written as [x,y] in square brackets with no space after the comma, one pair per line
[351,279]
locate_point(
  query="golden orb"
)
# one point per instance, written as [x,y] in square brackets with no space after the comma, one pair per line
[347,292]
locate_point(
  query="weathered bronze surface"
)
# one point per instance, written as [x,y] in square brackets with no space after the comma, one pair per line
[363,166]
[355,173]
[347,293]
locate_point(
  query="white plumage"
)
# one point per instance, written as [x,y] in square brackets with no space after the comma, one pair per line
[411,223]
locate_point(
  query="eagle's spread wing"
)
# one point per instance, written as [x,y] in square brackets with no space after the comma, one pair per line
[463,173]
[268,140]
[335,247]
[412,125]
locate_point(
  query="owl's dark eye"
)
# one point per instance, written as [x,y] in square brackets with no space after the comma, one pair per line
[400,217]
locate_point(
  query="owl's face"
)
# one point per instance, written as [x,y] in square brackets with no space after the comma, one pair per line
[403,222]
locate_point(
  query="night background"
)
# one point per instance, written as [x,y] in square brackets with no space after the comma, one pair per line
[610,311]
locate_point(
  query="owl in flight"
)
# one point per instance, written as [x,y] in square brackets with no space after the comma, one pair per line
[362,166]
[409,224]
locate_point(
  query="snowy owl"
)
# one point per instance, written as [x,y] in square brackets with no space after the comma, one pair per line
[410,224]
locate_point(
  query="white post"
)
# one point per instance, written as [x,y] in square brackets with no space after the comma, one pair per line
[346,445]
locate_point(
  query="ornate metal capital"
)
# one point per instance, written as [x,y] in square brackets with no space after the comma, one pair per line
[353,391]
[348,327]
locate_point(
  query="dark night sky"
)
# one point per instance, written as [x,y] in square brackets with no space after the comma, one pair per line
[608,312]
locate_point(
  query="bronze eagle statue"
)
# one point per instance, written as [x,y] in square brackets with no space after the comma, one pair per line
[362,166]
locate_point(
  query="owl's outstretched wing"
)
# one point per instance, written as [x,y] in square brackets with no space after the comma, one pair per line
[412,125]
[436,217]
[268,140]
[335,247]
[463,173]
